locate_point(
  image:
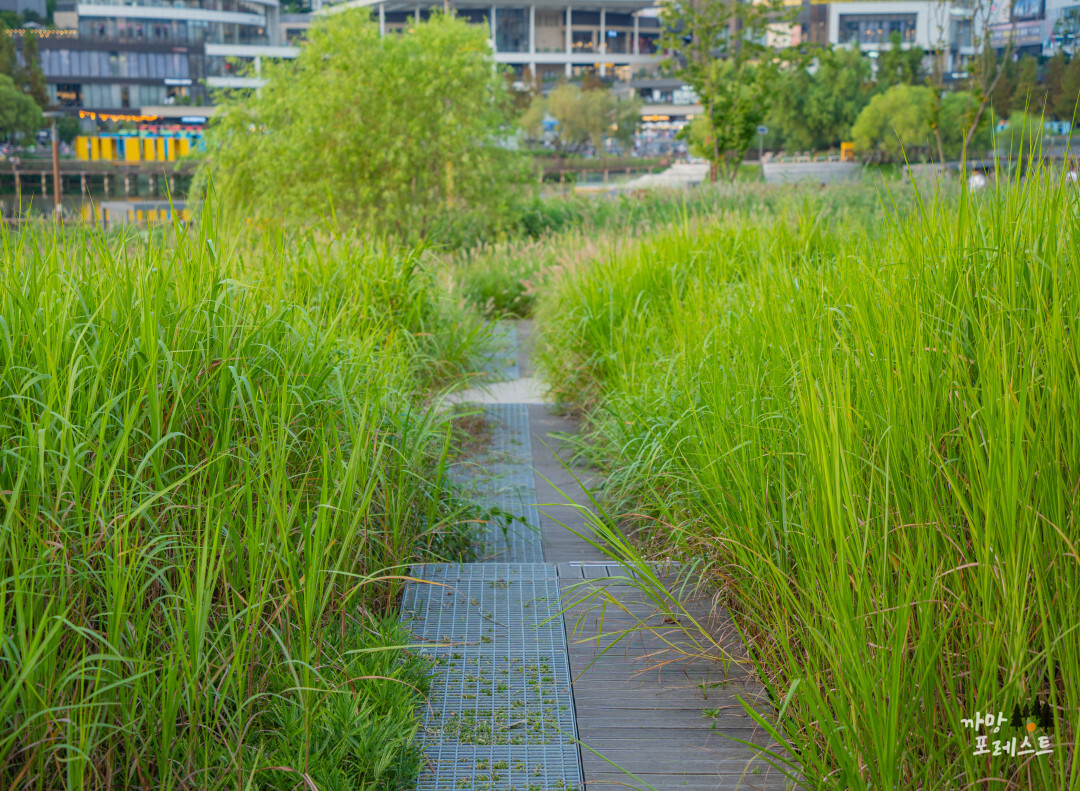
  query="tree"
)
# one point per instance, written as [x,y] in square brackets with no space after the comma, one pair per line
[68,128]
[894,122]
[723,50]
[31,78]
[1028,95]
[8,62]
[395,133]
[1066,105]
[814,110]
[987,70]
[955,107]
[1055,73]
[584,116]
[532,120]
[19,114]
[1001,97]
[899,66]
[1023,136]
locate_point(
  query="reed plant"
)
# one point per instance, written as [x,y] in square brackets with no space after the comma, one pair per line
[863,428]
[216,465]
[506,277]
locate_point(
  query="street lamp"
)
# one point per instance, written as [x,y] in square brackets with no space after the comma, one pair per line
[57,208]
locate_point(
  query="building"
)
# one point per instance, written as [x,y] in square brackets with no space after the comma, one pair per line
[872,25]
[23,7]
[611,38]
[112,57]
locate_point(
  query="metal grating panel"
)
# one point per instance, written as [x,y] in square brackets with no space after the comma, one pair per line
[503,479]
[502,364]
[500,715]
[524,768]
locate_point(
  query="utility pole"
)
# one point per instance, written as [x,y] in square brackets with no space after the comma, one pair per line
[57,207]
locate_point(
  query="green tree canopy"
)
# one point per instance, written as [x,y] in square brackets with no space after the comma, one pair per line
[1066,105]
[816,109]
[895,121]
[584,116]
[899,66]
[18,112]
[725,51]
[395,133]
[31,78]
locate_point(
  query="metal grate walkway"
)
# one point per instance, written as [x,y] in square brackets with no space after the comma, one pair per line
[500,716]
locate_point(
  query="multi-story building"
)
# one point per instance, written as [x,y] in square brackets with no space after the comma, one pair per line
[111,56]
[612,38]
[934,26]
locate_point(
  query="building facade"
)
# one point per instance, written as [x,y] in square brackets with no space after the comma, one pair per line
[117,57]
[612,38]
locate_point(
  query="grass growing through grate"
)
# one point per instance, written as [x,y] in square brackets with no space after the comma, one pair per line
[865,431]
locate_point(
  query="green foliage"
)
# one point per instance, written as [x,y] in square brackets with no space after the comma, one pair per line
[956,108]
[30,77]
[214,453]
[1023,135]
[584,116]
[1066,105]
[861,426]
[734,76]
[68,128]
[894,122]
[9,65]
[401,134]
[19,114]
[817,110]
[898,65]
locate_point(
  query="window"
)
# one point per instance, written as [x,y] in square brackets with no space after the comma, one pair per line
[583,40]
[511,30]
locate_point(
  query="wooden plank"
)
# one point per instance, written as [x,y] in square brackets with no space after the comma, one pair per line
[650,720]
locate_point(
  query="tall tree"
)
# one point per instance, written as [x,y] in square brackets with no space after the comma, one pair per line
[1066,105]
[31,78]
[895,122]
[1028,95]
[18,112]
[584,116]
[815,109]
[8,62]
[1055,73]
[987,69]
[395,133]
[725,50]
[899,66]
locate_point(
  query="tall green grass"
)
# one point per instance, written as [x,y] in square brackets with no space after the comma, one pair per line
[506,277]
[867,428]
[215,466]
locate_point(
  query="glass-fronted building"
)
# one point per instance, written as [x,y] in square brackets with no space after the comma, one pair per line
[612,38]
[116,57]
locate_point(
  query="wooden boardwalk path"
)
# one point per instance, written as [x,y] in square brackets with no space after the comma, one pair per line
[644,716]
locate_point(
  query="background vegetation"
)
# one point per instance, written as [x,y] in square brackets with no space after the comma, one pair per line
[397,134]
